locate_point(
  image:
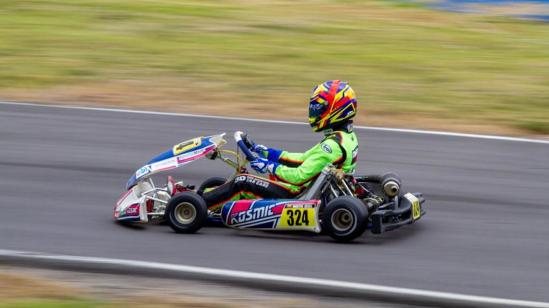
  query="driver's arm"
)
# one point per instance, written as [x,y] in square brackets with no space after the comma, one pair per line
[312,162]
[280,156]
[291,159]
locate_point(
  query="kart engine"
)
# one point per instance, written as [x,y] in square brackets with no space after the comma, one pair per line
[391,184]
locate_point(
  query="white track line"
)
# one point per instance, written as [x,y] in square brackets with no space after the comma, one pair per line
[295,281]
[385,129]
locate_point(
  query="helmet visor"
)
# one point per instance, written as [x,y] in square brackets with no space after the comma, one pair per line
[316,109]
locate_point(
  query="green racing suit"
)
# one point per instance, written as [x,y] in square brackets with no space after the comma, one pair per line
[298,170]
[294,173]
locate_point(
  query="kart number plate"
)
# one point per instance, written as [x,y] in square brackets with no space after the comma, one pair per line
[416,209]
[186,145]
[298,217]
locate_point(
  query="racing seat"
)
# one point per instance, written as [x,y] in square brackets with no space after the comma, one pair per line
[314,190]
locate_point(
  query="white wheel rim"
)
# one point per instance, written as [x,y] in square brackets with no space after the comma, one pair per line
[185,213]
[342,220]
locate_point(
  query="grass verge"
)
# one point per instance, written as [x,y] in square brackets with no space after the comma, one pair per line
[411,67]
[28,287]
[37,303]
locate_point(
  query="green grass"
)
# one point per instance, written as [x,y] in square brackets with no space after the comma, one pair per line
[42,303]
[402,60]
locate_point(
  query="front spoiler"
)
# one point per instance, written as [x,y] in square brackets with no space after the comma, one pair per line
[390,219]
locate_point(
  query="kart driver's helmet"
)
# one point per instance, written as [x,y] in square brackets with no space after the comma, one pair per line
[332,104]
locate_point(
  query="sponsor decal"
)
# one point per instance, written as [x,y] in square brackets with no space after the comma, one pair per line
[271,214]
[192,155]
[326,148]
[301,205]
[143,171]
[252,180]
[252,214]
[241,206]
[132,210]
[164,164]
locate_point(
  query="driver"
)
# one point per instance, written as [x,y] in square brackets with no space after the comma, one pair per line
[332,106]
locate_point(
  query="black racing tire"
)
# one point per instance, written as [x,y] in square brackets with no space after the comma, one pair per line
[345,218]
[186,212]
[210,183]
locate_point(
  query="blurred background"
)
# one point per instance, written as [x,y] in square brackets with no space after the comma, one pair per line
[477,66]
[469,66]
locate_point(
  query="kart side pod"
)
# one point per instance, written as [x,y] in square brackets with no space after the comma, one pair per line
[272,215]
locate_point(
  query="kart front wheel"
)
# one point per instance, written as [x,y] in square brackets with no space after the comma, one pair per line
[186,212]
[345,218]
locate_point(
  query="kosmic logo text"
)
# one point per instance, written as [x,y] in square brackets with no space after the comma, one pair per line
[252,214]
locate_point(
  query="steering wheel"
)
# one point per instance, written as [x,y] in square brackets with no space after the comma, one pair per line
[245,144]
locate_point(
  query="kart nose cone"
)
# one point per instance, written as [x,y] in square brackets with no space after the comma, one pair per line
[131,182]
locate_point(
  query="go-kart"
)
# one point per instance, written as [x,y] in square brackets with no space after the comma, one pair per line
[341,205]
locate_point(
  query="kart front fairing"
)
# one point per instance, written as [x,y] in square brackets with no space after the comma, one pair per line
[179,155]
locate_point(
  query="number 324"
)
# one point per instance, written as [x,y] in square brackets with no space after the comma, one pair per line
[297,218]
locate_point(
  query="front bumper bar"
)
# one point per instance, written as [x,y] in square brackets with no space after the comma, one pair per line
[398,215]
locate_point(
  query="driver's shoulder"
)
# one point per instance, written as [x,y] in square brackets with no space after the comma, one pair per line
[330,146]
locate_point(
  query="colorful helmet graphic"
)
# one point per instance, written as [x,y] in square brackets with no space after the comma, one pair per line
[332,102]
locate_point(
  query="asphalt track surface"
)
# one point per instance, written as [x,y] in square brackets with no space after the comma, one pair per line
[486,231]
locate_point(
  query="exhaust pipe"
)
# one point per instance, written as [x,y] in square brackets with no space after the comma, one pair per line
[391,184]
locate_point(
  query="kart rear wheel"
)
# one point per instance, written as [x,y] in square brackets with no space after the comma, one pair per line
[345,218]
[210,183]
[186,212]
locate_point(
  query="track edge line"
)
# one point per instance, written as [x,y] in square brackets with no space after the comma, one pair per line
[272,282]
[372,128]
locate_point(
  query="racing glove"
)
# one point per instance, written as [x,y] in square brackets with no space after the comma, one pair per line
[268,153]
[263,165]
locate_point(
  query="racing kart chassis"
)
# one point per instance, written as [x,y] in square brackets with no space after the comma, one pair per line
[341,205]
